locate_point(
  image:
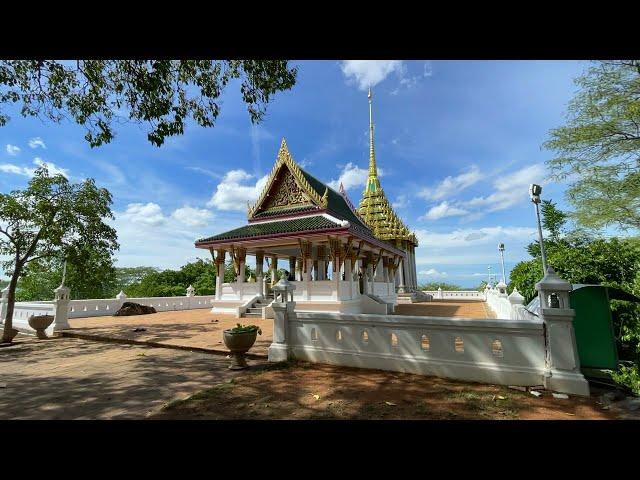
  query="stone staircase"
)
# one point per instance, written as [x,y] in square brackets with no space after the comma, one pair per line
[255,310]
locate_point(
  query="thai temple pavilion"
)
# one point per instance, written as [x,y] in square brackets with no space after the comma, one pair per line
[340,258]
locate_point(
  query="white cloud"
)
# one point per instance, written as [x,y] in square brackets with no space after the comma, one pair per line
[194,217]
[509,189]
[143,213]
[472,245]
[232,195]
[401,202]
[29,171]
[15,169]
[12,150]
[52,167]
[352,176]
[368,73]
[36,142]
[148,236]
[443,210]
[432,272]
[452,185]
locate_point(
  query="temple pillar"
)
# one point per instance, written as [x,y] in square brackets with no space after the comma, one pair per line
[292,268]
[322,262]
[259,271]
[348,276]
[299,268]
[274,269]
[219,261]
[400,272]
[306,279]
[241,255]
[315,269]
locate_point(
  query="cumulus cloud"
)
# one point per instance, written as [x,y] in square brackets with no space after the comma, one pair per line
[368,73]
[443,210]
[143,213]
[232,193]
[452,185]
[432,272]
[30,171]
[352,176]
[12,150]
[194,217]
[401,202]
[509,189]
[149,236]
[37,142]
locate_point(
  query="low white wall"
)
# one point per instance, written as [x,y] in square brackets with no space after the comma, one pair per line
[495,351]
[238,291]
[23,310]
[108,306]
[455,294]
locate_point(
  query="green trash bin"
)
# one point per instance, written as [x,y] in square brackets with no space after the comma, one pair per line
[593,324]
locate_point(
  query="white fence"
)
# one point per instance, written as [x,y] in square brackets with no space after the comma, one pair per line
[455,294]
[107,306]
[495,351]
[529,351]
[94,308]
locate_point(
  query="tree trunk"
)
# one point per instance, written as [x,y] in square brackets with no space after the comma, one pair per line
[7,334]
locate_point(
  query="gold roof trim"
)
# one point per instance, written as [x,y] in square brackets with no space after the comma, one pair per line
[285,158]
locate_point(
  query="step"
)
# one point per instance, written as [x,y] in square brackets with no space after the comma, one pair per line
[253,315]
[254,310]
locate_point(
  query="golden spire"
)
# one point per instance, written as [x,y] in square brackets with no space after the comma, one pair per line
[373,184]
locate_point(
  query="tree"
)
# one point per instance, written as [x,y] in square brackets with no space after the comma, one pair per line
[434,286]
[161,94]
[600,146]
[88,275]
[52,218]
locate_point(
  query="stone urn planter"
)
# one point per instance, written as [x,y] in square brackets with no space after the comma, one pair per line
[239,340]
[40,323]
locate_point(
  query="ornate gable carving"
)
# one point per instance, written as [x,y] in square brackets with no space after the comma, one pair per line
[285,192]
[287,186]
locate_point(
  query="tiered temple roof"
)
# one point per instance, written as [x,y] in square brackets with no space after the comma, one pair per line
[375,209]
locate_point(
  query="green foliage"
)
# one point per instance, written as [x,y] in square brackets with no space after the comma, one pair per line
[170,283]
[599,147]
[434,286]
[51,220]
[629,376]
[482,286]
[245,328]
[160,94]
[580,257]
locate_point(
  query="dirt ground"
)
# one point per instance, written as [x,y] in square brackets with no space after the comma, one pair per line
[187,328]
[304,391]
[65,378]
[445,308]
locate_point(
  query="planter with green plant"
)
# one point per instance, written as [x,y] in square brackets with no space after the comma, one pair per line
[239,340]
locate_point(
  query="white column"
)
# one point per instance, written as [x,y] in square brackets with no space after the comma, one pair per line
[401,286]
[348,277]
[61,302]
[562,372]
[259,272]
[283,312]
[306,277]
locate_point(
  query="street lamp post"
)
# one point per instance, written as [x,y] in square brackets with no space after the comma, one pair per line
[489,281]
[501,250]
[534,192]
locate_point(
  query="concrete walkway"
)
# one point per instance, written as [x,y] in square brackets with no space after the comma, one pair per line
[64,378]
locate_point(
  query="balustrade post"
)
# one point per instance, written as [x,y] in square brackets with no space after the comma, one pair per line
[283,312]
[61,302]
[562,363]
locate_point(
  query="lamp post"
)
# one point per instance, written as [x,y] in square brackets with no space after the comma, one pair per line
[489,269]
[534,192]
[501,250]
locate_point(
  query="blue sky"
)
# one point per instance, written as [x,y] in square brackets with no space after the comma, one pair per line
[457,143]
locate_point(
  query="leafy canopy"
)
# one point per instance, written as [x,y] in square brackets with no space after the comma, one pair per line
[598,149]
[53,218]
[162,94]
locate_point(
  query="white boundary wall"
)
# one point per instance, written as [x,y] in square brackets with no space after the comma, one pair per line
[455,294]
[495,351]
